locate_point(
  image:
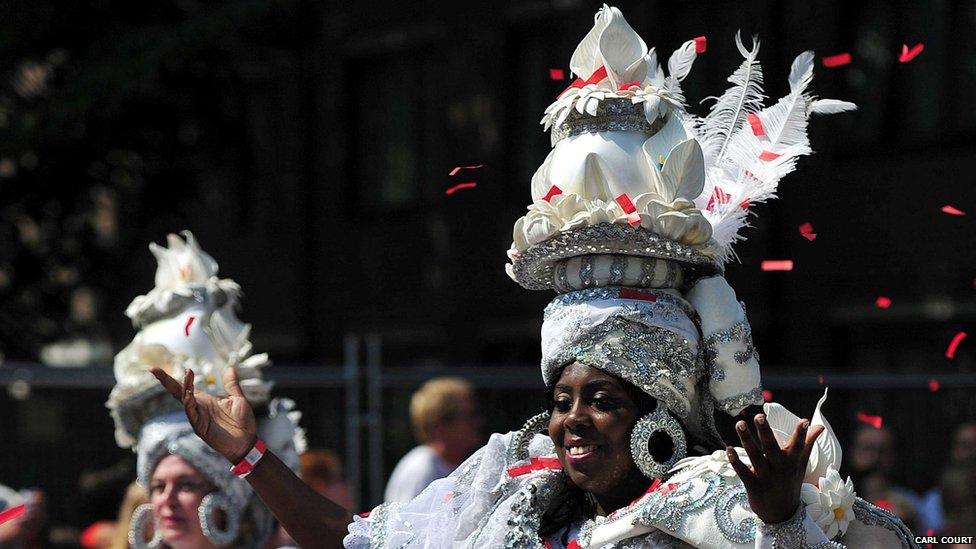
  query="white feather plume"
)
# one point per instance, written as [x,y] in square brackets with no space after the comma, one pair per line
[729,112]
[746,168]
[679,65]
[831,106]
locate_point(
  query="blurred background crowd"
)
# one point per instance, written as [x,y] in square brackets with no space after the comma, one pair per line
[308,144]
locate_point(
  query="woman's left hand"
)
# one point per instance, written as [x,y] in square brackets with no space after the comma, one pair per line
[774,479]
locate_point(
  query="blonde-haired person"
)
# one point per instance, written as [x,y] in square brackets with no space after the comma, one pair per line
[134,496]
[448,427]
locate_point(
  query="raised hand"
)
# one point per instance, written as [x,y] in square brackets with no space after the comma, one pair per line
[227,424]
[773,480]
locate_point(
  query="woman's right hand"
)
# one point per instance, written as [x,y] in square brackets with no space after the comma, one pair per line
[227,424]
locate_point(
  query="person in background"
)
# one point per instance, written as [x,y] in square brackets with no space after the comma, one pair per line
[134,496]
[931,507]
[322,470]
[448,426]
[872,458]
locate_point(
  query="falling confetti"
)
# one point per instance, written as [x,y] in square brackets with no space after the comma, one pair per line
[459,168]
[873,421]
[16,511]
[189,322]
[777,265]
[557,74]
[767,395]
[806,230]
[952,211]
[459,186]
[954,344]
[907,54]
[933,385]
[701,43]
[838,60]
[883,302]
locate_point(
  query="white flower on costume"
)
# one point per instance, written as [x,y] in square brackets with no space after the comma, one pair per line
[830,504]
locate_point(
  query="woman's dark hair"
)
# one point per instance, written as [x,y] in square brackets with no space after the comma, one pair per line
[573,504]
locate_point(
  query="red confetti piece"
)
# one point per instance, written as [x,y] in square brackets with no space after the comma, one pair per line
[756,123]
[954,344]
[625,203]
[668,488]
[553,191]
[459,186]
[459,168]
[907,54]
[952,211]
[189,322]
[777,265]
[628,85]
[933,385]
[820,380]
[701,43]
[535,464]
[557,74]
[630,293]
[806,230]
[718,196]
[744,204]
[873,421]
[883,302]
[766,156]
[594,78]
[12,513]
[838,60]
[767,395]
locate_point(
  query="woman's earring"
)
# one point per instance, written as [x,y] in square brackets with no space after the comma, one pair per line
[137,529]
[658,421]
[211,503]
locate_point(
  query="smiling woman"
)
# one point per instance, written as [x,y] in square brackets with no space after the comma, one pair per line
[633,216]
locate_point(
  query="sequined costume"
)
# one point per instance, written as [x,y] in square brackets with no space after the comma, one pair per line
[634,214]
[188,320]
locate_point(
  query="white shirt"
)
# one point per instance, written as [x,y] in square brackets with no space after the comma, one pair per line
[414,472]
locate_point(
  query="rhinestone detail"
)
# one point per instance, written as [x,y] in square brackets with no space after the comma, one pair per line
[534,268]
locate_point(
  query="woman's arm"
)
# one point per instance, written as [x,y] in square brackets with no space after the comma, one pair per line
[229,427]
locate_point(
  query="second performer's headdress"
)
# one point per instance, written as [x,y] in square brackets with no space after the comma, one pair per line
[634,214]
[189,321]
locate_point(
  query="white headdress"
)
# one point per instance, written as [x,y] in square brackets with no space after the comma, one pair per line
[635,212]
[189,321]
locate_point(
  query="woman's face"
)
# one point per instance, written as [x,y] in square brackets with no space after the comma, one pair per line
[591,421]
[175,492]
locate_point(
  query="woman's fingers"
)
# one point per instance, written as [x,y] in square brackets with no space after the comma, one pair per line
[794,448]
[811,439]
[231,383]
[769,444]
[751,447]
[746,475]
[172,386]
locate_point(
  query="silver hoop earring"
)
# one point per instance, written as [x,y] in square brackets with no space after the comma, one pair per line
[659,421]
[208,506]
[519,449]
[137,529]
